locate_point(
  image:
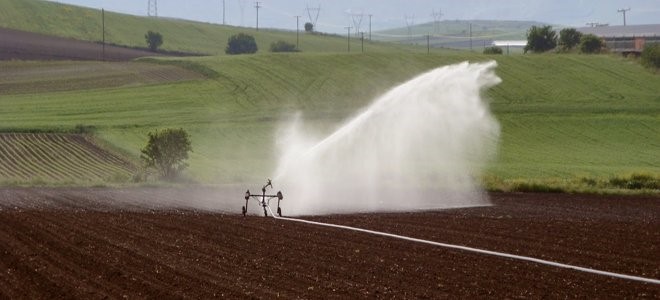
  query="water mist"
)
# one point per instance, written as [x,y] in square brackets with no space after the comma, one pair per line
[421,145]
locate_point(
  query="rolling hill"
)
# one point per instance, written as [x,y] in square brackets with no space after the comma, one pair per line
[456,33]
[179,35]
[562,116]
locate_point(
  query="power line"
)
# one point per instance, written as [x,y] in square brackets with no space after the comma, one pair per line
[436,20]
[623,11]
[357,21]
[313,14]
[152,8]
[241,4]
[410,22]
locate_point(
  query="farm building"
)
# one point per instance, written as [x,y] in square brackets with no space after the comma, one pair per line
[628,39]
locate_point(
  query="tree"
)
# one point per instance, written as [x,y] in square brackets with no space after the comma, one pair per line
[651,55]
[541,39]
[590,43]
[283,46]
[493,50]
[309,27]
[167,151]
[569,38]
[241,44]
[154,40]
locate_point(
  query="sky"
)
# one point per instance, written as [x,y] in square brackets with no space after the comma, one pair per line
[335,15]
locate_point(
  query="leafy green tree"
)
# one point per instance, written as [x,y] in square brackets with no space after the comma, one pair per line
[154,40]
[493,50]
[651,55]
[309,27]
[569,38]
[590,44]
[241,44]
[283,46]
[541,39]
[167,151]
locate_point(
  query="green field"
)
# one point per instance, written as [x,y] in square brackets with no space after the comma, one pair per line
[563,117]
[566,119]
[179,35]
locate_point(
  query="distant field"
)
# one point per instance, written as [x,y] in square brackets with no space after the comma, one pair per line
[456,33]
[19,77]
[562,116]
[179,35]
[58,158]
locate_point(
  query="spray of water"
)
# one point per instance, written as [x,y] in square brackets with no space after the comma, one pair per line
[419,146]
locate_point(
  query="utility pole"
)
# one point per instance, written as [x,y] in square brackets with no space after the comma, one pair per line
[410,22]
[428,44]
[436,20]
[623,11]
[348,28]
[470,36]
[257,6]
[297,32]
[362,38]
[103,29]
[370,26]
[223,12]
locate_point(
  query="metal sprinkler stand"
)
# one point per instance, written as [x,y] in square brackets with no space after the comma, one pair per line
[263,199]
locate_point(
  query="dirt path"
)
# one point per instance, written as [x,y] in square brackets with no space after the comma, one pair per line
[150,242]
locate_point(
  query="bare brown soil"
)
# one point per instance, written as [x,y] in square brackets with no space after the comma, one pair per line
[150,242]
[16,44]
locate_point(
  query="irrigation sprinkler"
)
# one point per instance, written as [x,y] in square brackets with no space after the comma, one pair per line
[264,200]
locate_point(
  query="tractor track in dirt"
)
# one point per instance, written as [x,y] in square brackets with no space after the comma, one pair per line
[151,242]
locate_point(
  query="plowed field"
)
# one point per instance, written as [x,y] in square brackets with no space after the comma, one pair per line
[16,44]
[49,157]
[19,77]
[151,242]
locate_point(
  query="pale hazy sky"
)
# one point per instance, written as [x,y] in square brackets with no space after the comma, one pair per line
[335,14]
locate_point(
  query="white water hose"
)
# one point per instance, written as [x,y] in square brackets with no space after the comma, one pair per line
[470,249]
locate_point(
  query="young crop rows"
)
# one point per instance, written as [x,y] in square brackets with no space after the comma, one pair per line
[58,158]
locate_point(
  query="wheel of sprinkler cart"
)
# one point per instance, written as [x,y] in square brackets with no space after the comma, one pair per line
[244,208]
[279,198]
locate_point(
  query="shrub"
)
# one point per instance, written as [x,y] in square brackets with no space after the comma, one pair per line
[541,39]
[309,27]
[282,46]
[636,181]
[493,50]
[241,44]
[167,151]
[590,43]
[154,40]
[569,38]
[651,55]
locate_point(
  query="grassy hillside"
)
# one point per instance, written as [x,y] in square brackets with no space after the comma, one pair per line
[562,116]
[179,35]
